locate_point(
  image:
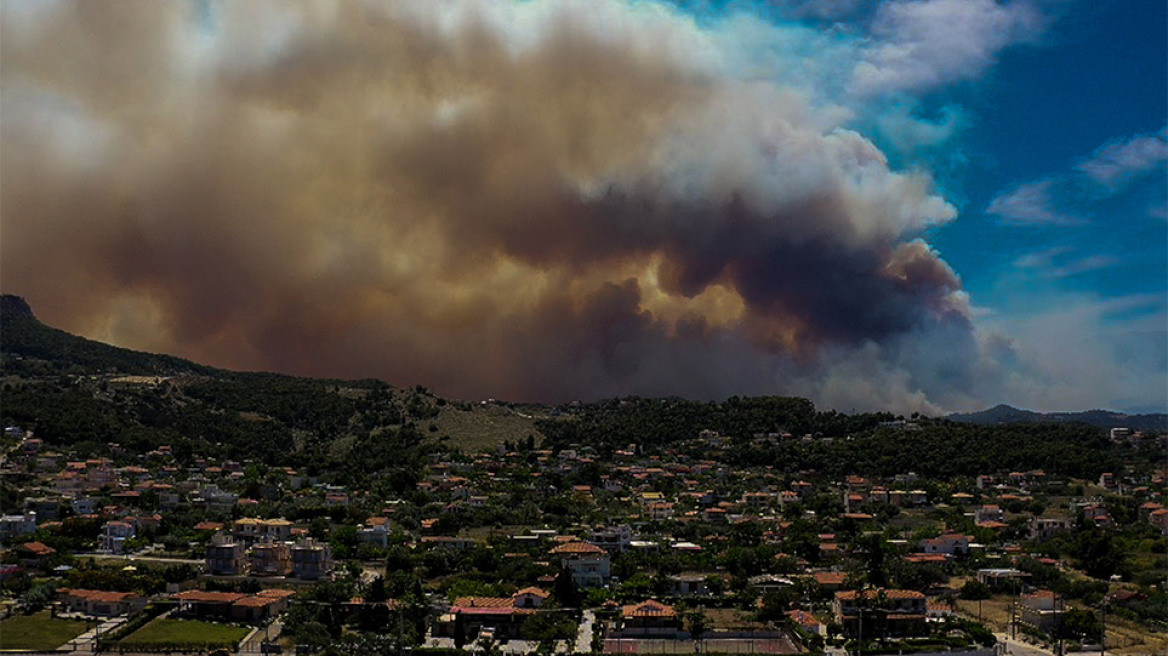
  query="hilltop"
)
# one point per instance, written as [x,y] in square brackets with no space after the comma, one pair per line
[1005,414]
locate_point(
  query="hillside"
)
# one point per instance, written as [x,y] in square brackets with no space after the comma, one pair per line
[1004,414]
[29,347]
[75,391]
[86,395]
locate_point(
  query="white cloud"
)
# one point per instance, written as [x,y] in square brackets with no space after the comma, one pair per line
[1050,263]
[1082,352]
[921,44]
[1030,204]
[1118,162]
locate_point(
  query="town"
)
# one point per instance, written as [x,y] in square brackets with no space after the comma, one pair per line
[544,546]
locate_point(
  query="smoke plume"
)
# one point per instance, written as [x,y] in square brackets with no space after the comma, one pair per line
[541,201]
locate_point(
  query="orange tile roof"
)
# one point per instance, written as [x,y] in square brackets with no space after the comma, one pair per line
[255,602]
[97,595]
[198,596]
[484,602]
[37,548]
[851,595]
[578,548]
[538,592]
[648,609]
[830,578]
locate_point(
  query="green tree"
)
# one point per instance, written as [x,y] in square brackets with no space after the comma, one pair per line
[566,592]
[697,624]
[975,590]
[459,631]
[1080,624]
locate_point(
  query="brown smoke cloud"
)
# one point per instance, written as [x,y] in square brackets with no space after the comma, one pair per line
[544,201]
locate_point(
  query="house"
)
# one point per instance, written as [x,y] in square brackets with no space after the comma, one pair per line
[1159,519]
[270,558]
[689,584]
[84,506]
[766,583]
[659,510]
[459,544]
[950,544]
[887,613]
[197,603]
[650,619]
[375,530]
[1001,578]
[226,556]
[46,508]
[254,530]
[14,526]
[312,560]
[261,606]
[476,613]
[830,581]
[1045,528]
[590,565]
[612,538]
[806,621]
[235,606]
[530,598]
[1042,610]
[100,603]
[989,513]
[34,554]
[114,535]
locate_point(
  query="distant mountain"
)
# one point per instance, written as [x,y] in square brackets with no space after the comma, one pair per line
[1004,414]
[30,347]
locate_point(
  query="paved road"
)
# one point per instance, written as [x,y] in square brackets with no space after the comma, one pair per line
[1019,648]
[584,636]
[84,642]
[252,644]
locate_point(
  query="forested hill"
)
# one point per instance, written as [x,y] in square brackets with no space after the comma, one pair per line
[30,347]
[791,436]
[83,395]
[1004,414]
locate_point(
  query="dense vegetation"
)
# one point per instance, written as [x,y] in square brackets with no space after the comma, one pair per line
[316,424]
[870,444]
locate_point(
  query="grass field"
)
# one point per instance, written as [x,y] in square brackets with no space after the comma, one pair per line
[165,632]
[1124,637]
[38,631]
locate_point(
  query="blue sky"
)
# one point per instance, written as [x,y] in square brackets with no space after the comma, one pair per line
[1050,143]
[909,205]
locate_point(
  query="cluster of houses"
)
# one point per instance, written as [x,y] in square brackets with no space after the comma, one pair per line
[646,500]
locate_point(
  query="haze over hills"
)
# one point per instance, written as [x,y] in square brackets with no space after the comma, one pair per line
[1005,414]
[29,347]
[84,395]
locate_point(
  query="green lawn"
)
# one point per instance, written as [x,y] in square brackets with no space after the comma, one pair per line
[184,633]
[39,631]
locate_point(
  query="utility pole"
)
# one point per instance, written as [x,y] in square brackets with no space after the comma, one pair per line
[1060,607]
[860,640]
[1103,632]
